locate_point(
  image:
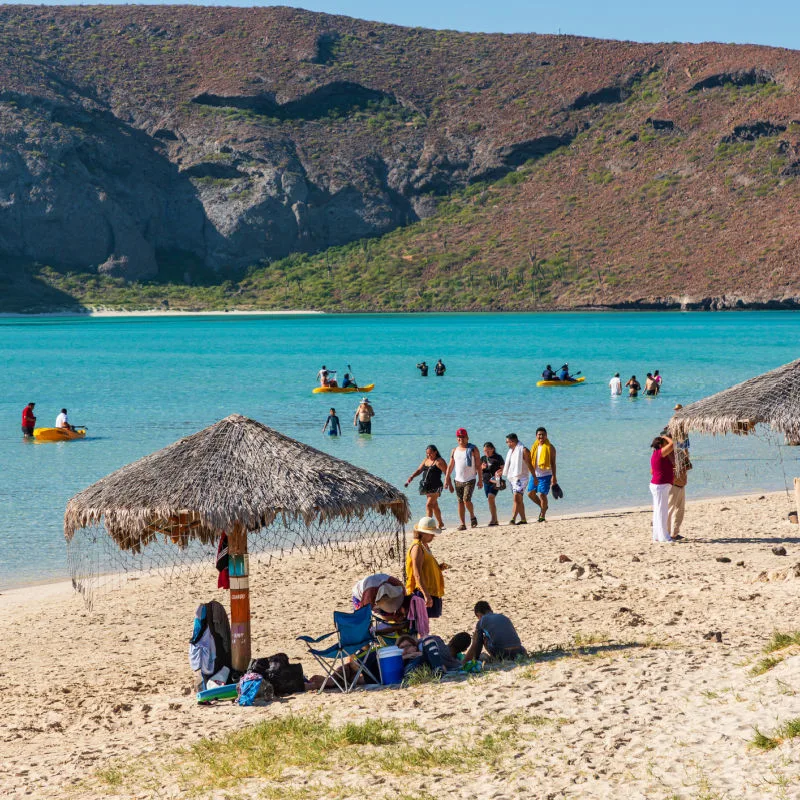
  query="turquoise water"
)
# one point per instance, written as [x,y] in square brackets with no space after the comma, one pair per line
[141,383]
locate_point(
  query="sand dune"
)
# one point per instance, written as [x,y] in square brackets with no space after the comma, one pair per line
[647,709]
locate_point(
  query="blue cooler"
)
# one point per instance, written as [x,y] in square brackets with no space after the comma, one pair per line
[390,665]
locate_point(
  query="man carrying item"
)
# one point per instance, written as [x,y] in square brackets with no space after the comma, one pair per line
[62,421]
[616,385]
[439,368]
[496,633]
[28,420]
[676,503]
[423,369]
[363,416]
[543,466]
[465,467]
[516,471]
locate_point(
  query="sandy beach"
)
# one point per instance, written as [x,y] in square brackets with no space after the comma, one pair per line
[622,697]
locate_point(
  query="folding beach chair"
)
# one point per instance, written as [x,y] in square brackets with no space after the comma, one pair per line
[355,641]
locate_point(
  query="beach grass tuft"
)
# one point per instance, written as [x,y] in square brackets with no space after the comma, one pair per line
[789,730]
[421,676]
[780,641]
[764,665]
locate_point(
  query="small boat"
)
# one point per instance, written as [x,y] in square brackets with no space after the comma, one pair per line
[561,383]
[340,390]
[58,434]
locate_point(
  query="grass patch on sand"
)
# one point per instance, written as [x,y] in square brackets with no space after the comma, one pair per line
[779,641]
[789,730]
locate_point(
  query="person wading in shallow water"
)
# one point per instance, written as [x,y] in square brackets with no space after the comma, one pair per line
[28,420]
[363,417]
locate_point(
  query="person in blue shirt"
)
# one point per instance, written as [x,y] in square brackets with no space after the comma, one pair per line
[332,424]
[348,382]
[563,373]
[548,373]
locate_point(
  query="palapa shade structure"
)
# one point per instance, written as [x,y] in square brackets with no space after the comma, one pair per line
[238,477]
[771,399]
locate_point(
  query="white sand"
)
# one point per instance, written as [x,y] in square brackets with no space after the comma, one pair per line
[80,690]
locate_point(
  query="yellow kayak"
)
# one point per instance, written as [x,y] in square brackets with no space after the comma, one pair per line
[58,434]
[560,383]
[339,390]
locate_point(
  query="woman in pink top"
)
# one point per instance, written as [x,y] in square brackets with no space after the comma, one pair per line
[662,473]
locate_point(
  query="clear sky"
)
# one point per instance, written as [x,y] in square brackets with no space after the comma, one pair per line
[775,23]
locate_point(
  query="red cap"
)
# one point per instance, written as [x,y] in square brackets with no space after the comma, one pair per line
[462,432]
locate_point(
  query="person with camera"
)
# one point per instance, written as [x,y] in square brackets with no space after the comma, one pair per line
[492,466]
[423,369]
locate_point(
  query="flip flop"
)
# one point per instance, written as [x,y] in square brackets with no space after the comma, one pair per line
[474,522]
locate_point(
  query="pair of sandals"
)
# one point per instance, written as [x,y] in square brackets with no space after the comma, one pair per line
[473,523]
[521,522]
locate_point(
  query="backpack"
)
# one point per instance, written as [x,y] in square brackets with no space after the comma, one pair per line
[286,678]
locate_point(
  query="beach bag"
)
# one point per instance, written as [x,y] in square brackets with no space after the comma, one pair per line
[285,678]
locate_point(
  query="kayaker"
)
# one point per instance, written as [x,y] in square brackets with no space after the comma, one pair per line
[563,374]
[62,421]
[332,424]
[28,420]
[348,382]
[322,376]
[548,374]
[439,368]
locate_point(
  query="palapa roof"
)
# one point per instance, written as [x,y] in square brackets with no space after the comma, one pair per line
[771,399]
[236,471]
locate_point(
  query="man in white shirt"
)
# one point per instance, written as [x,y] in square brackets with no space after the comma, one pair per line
[465,467]
[517,471]
[616,385]
[62,421]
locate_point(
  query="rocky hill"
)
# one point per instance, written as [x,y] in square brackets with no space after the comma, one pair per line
[200,157]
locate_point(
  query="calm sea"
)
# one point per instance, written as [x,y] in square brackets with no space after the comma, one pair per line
[141,383]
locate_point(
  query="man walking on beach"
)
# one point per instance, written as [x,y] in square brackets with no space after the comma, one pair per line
[517,471]
[616,385]
[363,416]
[28,420]
[543,466]
[465,467]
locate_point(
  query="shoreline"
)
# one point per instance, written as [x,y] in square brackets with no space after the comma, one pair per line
[62,585]
[152,312]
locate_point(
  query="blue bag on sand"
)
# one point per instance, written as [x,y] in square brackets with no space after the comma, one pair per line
[249,686]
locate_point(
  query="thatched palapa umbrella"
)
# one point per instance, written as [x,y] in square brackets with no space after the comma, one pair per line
[241,478]
[771,399]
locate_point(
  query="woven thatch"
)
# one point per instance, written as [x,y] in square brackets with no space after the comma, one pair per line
[771,399]
[237,471]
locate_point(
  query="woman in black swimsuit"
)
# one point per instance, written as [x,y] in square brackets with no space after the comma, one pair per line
[431,484]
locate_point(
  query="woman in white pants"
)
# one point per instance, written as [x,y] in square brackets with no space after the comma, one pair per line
[662,477]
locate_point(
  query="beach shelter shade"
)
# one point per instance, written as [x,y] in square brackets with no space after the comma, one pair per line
[241,478]
[771,399]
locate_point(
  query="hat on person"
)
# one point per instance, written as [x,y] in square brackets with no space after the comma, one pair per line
[427,525]
[678,407]
[365,400]
[462,432]
[389,597]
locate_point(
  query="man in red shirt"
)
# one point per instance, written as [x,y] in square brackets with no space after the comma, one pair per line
[28,420]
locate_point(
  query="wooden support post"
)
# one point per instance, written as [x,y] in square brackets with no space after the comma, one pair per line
[797,496]
[239,568]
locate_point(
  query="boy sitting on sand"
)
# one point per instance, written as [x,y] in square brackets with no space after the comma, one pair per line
[496,633]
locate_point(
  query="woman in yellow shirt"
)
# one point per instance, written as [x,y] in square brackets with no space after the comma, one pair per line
[423,572]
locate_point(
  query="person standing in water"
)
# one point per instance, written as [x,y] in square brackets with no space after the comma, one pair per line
[543,463]
[28,420]
[633,387]
[332,424]
[363,416]
[439,369]
[616,385]
[423,369]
